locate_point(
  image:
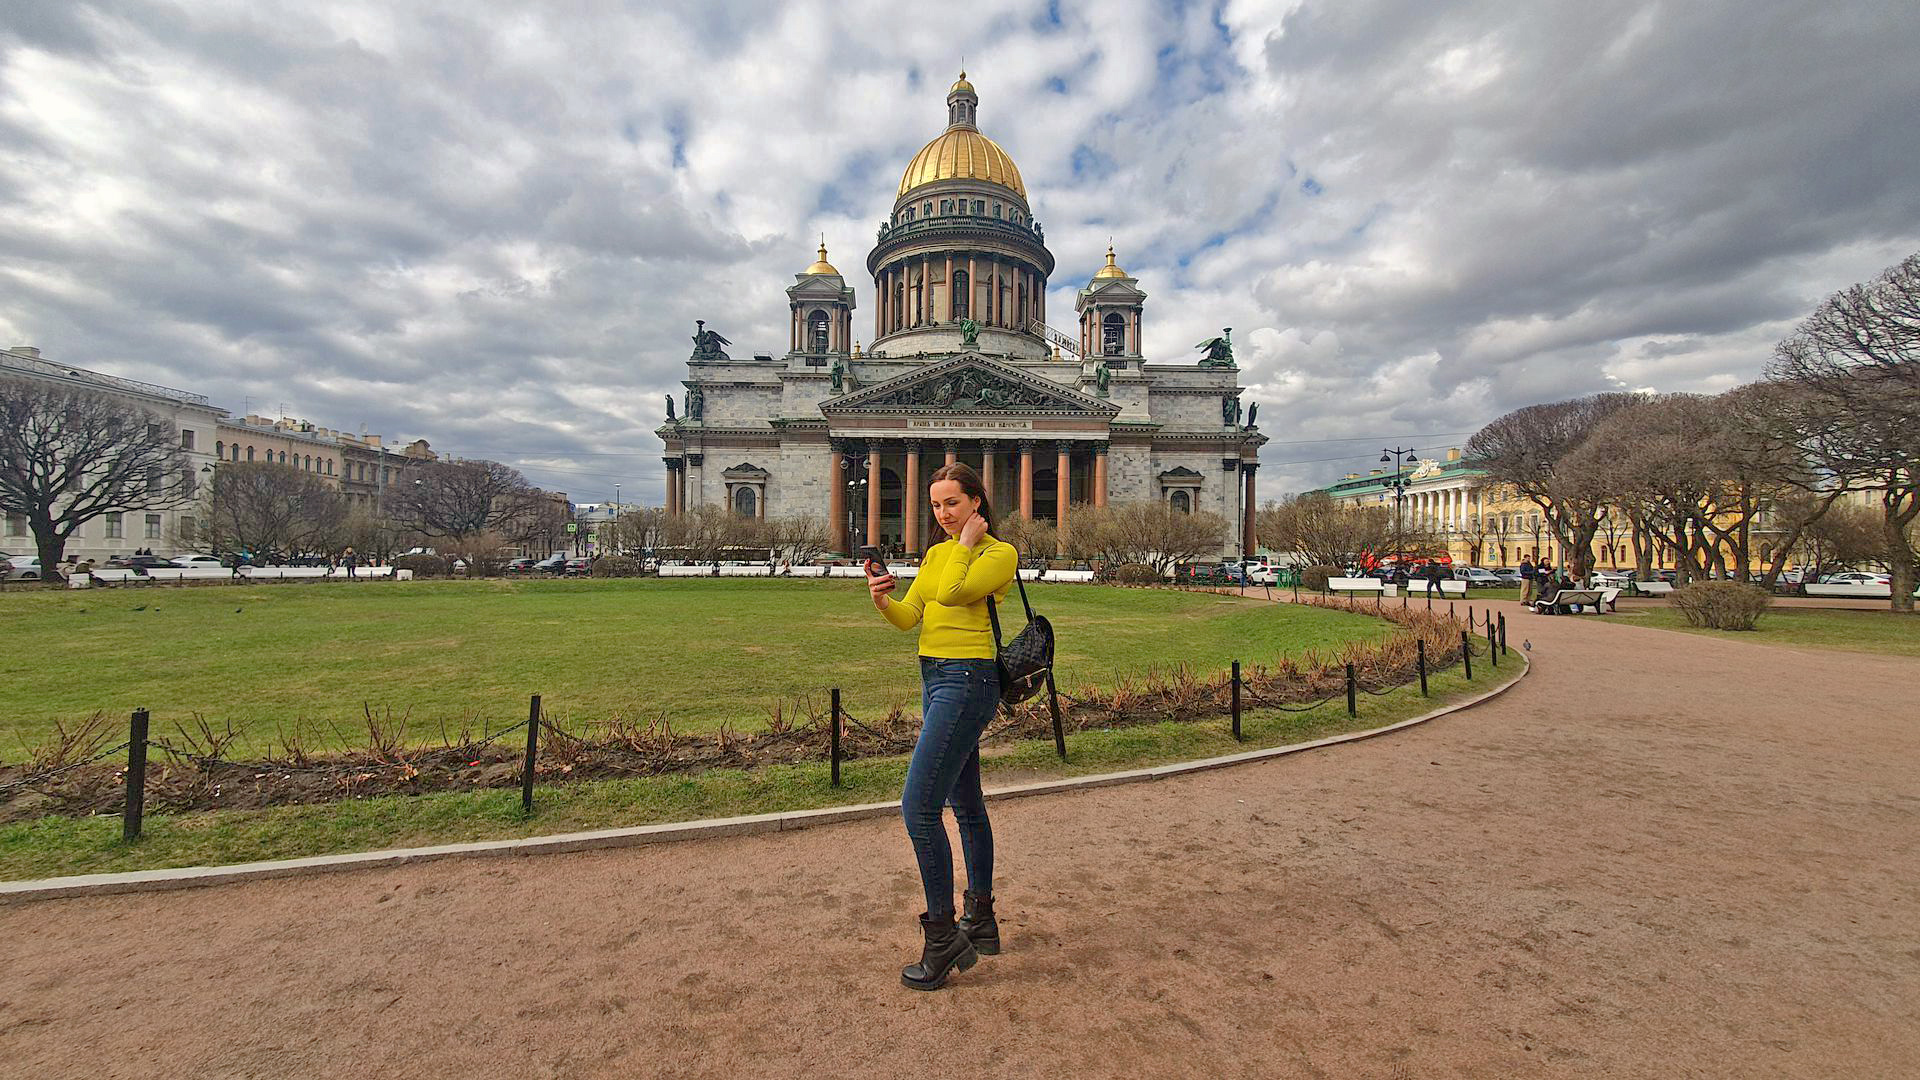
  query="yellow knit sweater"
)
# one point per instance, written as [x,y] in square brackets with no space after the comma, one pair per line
[948,599]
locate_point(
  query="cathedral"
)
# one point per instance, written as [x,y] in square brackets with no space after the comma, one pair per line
[962,365]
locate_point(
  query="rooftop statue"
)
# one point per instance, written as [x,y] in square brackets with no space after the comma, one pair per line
[1219,350]
[969,331]
[706,343]
[669,408]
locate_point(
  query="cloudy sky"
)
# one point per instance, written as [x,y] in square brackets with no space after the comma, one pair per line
[493,225]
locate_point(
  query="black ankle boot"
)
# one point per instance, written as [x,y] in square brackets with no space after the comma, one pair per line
[977,923]
[946,950]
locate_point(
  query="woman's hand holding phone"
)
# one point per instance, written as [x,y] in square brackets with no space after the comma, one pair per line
[879,585]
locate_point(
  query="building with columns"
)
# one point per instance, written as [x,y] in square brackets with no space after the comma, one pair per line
[961,365]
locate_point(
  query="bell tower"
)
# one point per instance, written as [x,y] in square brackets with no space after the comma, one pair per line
[1110,316]
[821,302]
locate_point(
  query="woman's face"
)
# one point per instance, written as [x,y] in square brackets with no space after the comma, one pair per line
[951,506]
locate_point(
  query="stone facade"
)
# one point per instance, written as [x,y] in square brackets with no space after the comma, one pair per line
[963,366]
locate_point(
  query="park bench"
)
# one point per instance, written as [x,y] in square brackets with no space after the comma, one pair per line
[1417,587]
[1583,598]
[1652,588]
[1608,596]
[1355,584]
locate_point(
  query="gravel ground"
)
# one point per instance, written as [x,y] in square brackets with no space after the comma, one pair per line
[1661,855]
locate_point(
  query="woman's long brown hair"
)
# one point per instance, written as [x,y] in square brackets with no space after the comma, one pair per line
[969,481]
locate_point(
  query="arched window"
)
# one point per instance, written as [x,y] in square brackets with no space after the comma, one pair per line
[1182,502]
[249,453]
[1113,335]
[743,501]
[817,332]
[957,302]
[219,449]
[926,209]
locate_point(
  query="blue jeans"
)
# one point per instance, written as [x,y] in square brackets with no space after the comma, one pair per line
[957,699]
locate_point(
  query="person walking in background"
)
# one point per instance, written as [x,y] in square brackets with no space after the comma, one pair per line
[1435,574]
[1526,580]
[350,562]
[960,688]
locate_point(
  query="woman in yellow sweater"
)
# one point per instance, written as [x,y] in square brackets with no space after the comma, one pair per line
[960,686]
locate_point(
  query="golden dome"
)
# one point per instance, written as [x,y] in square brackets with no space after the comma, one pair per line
[821,265]
[961,84]
[961,153]
[1109,270]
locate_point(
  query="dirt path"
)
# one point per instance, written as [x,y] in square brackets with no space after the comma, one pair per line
[1661,856]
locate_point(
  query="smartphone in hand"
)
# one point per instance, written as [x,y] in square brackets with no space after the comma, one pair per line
[876,559]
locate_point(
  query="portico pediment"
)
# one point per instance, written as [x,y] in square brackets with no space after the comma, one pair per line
[974,384]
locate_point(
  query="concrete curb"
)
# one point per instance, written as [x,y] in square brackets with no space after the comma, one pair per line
[18,892]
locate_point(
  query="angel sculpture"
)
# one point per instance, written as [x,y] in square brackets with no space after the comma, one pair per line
[669,408]
[1253,410]
[1219,350]
[707,343]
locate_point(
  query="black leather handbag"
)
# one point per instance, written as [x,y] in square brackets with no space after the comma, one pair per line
[1027,661]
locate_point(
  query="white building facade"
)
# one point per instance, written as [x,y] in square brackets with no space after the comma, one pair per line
[166,532]
[962,366]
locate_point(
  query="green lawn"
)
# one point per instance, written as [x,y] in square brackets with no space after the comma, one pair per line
[1822,628]
[702,653]
[56,846]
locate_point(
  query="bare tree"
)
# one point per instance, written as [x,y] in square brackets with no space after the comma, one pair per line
[1035,541]
[799,538]
[1157,535]
[1325,532]
[469,504]
[69,455]
[271,512]
[1526,449]
[1855,363]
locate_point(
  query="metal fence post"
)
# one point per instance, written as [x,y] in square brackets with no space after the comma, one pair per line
[833,739]
[533,746]
[136,777]
[1420,644]
[1353,708]
[1503,631]
[1059,731]
[1493,644]
[1236,701]
[1466,654]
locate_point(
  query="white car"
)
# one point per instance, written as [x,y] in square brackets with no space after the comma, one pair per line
[24,568]
[1857,578]
[1477,577]
[199,562]
[1612,579]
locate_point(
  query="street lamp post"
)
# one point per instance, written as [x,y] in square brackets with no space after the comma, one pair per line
[855,468]
[1398,483]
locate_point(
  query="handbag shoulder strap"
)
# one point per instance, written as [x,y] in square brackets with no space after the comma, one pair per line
[994,617]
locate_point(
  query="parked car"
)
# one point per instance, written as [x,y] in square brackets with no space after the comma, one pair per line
[552,564]
[1855,577]
[1611,579]
[201,562]
[140,562]
[1477,577]
[1509,577]
[519,566]
[579,567]
[24,568]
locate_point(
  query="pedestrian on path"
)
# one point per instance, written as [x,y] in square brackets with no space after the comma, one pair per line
[1435,574]
[960,688]
[1526,580]
[349,559]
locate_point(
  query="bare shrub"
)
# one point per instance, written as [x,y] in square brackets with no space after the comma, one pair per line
[423,566]
[1721,605]
[1316,577]
[1137,574]
[616,566]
